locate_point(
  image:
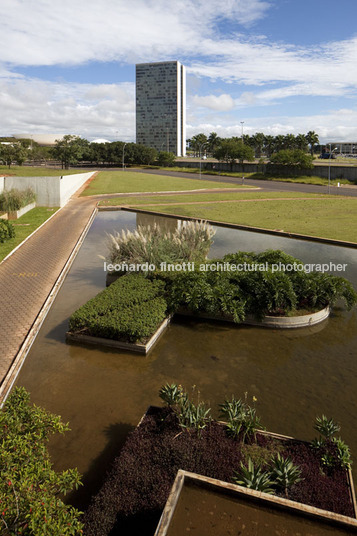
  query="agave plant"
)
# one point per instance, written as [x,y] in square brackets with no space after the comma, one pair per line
[284,473]
[343,452]
[171,394]
[326,427]
[254,478]
[241,418]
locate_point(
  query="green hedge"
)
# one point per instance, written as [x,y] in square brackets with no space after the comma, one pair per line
[131,309]
[7,231]
[258,293]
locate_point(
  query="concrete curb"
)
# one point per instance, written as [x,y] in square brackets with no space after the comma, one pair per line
[139,348]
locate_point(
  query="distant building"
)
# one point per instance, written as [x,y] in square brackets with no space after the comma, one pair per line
[161,106]
[343,147]
[45,140]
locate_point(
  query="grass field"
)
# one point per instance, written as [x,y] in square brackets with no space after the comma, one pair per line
[310,214]
[29,171]
[110,182]
[326,217]
[303,179]
[24,226]
[202,198]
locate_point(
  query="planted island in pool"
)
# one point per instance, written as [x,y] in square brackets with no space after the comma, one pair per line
[184,436]
[166,273]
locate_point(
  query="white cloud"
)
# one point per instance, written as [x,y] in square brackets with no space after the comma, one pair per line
[221,103]
[41,32]
[37,106]
[337,125]
[75,32]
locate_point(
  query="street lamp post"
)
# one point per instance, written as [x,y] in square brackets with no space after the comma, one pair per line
[329,167]
[242,123]
[123,157]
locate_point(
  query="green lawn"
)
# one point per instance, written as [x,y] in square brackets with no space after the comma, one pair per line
[303,179]
[110,182]
[24,226]
[29,171]
[328,217]
[201,198]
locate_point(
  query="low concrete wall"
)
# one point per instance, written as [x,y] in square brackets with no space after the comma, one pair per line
[50,191]
[18,213]
[69,184]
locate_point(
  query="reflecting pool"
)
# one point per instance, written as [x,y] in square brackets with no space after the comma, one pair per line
[295,375]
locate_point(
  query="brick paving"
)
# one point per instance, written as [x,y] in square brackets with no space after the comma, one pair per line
[28,275]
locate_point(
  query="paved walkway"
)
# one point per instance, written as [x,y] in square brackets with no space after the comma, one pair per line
[28,275]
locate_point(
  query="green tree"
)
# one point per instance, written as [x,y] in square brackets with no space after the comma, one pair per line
[312,139]
[166,159]
[292,157]
[213,141]
[258,143]
[69,149]
[231,150]
[269,145]
[197,141]
[279,143]
[301,142]
[29,487]
[13,152]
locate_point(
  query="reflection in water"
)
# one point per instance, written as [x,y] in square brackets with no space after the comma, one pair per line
[210,513]
[295,375]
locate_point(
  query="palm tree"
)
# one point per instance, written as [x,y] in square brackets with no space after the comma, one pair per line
[289,141]
[312,139]
[269,145]
[212,142]
[301,142]
[258,143]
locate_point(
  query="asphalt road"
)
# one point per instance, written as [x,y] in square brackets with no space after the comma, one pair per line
[269,186]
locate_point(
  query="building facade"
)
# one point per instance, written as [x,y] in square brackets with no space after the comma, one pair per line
[161,106]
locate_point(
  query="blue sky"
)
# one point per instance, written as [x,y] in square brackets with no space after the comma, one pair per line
[278,65]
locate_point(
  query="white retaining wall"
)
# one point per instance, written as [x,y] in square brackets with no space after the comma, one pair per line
[50,191]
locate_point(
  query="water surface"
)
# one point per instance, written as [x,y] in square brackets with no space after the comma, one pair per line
[295,375]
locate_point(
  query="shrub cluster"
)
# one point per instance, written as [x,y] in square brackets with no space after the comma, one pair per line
[7,231]
[188,243]
[30,489]
[14,199]
[137,488]
[131,309]
[255,292]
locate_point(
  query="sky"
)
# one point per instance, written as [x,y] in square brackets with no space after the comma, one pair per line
[272,66]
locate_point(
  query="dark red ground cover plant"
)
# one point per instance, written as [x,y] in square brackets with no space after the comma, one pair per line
[134,494]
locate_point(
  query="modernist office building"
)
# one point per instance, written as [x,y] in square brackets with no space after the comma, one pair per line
[161,106]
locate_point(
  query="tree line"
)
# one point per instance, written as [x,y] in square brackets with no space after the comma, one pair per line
[261,143]
[71,150]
